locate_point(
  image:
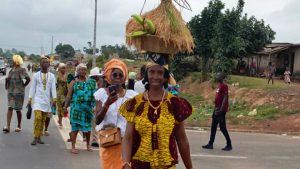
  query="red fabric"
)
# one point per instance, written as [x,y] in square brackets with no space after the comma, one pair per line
[180,108]
[220,93]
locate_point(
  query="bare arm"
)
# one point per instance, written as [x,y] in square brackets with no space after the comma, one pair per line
[127,144]
[101,108]
[69,95]
[224,101]
[183,145]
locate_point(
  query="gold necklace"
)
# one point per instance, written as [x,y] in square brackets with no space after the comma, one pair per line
[157,107]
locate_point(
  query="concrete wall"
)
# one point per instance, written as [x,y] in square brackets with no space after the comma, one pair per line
[297,60]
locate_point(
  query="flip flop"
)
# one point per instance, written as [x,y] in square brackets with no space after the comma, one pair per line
[74,151]
[18,129]
[46,133]
[5,130]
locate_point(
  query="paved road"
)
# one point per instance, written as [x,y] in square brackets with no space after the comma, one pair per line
[250,150]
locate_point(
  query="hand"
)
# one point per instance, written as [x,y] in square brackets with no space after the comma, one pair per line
[54,104]
[111,99]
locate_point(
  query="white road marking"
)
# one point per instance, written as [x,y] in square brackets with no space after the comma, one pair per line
[296,137]
[64,132]
[196,131]
[2,78]
[218,156]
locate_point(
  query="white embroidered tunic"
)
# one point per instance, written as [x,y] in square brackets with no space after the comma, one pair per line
[42,94]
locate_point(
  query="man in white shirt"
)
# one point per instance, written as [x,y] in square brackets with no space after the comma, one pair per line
[139,87]
[42,92]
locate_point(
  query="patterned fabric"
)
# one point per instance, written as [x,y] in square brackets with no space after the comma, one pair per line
[82,104]
[62,91]
[15,101]
[39,121]
[159,151]
[15,79]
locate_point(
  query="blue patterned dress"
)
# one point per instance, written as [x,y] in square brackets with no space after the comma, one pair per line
[82,104]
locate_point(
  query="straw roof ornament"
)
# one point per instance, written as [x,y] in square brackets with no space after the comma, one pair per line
[161,30]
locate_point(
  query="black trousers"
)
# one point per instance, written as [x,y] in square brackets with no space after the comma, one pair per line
[219,119]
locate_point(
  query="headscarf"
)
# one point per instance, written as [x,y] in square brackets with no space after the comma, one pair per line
[114,64]
[60,65]
[18,60]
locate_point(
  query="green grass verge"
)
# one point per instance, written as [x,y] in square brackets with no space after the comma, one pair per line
[255,83]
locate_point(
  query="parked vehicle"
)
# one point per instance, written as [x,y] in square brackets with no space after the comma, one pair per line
[2,67]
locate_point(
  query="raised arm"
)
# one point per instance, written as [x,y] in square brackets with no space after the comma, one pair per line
[183,145]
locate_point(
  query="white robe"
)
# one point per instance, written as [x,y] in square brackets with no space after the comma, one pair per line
[42,98]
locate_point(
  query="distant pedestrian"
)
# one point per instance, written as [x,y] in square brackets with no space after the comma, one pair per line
[131,80]
[15,91]
[80,95]
[139,85]
[219,114]
[98,77]
[43,94]
[271,72]
[62,91]
[28,67]
[287,76]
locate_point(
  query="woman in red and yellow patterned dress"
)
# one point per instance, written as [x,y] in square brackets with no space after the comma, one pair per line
[155,124]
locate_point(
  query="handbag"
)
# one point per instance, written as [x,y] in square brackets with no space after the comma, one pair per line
[110,137]
[29,111]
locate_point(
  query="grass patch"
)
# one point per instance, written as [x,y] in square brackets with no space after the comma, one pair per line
[255,83]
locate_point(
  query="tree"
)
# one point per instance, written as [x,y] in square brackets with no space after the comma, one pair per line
[89,49]
[228,43]
[66,51]
[203,29]
[122,51]
[255,34]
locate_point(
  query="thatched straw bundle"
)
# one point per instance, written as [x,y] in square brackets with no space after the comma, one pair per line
[172,35]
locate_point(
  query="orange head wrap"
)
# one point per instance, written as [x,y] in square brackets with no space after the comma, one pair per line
[114,64]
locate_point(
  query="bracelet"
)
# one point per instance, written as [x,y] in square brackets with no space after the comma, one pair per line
[127,163]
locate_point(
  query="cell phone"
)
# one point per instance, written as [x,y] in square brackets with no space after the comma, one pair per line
[113,89]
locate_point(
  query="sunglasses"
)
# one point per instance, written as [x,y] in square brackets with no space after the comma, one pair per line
[120,75]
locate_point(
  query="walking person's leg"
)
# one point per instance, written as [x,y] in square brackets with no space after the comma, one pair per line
[19,117]
[224,130]
[88,138]
[214,125]
[6,129]
[47,122]
[73,140]
[37,126]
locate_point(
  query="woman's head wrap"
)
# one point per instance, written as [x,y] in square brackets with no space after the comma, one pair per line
[80,66]
[114,64]
[162,60]
[18,60]
[60,65]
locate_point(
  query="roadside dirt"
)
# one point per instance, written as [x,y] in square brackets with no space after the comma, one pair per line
[283,99]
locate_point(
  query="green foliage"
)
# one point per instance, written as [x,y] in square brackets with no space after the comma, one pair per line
[182,64]
[203,28]
[34,58]
[10,52]
[122,51]
[89,49]
[66,51]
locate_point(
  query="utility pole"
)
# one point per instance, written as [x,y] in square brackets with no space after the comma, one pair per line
[94,44]
[52,46]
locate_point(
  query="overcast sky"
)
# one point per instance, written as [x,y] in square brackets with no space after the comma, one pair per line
[29,24]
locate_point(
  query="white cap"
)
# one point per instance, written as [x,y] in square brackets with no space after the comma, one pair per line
[96,72]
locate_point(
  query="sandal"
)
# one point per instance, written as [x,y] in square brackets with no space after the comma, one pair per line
[46,133]
[18,129]
[74,151]
[5,129]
